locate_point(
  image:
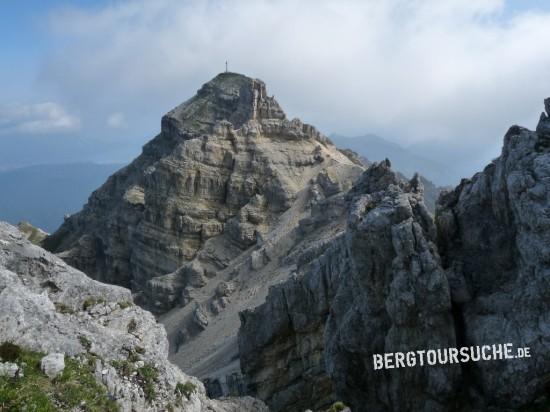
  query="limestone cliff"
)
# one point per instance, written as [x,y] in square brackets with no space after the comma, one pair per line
[378,288]
[494,240]
[226,161]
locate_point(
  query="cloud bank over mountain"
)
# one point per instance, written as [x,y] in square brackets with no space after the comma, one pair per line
[446,75]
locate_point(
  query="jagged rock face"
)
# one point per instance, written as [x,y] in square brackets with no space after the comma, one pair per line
[47,306]
[377,288]
[494,236]
[226,161]
[383,286]
[283,359]
[394,298]
[204,330]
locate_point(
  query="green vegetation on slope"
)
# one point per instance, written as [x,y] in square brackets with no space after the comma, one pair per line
[34,391]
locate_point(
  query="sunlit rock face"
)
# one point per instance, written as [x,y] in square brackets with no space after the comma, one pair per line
[227,161]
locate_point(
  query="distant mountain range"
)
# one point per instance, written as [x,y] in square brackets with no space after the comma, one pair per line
[376,148]
[43,194]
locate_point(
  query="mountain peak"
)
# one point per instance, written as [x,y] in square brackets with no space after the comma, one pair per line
[229,96]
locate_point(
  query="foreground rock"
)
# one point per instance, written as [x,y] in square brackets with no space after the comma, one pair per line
[395,281]
[53,364]
[9,369]
[47,306]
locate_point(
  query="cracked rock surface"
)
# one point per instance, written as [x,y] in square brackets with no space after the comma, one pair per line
[47,306]
[395,280]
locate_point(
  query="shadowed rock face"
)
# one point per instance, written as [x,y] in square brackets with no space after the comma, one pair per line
[397,281]
[378,288]
[494,237]
[395,297]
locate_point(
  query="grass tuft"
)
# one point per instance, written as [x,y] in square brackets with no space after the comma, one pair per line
[147,375]
[132,326]
[62,308]
[337,407]
[85,342]
[125,304]
[91,302]
[185,389]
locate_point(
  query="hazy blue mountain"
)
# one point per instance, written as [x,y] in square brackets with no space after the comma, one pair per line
[375,148]
[43,194]
[23,150]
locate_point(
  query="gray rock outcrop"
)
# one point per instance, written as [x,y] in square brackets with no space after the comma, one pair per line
[396,281]
[494,239]
[377,288]
[9,369]
[53,364]
[47,306]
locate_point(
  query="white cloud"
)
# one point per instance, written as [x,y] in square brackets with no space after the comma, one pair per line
[39,118]
[116,120]
[454,71]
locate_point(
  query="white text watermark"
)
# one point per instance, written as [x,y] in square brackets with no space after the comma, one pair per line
[446,356]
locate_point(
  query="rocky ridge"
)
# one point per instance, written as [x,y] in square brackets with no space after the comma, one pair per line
[377,287]
[395,280]
[46,306]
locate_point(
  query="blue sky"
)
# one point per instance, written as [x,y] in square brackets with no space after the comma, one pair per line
[515,6]
[89,80]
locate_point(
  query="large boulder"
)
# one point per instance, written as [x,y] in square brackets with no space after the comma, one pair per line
[53,364]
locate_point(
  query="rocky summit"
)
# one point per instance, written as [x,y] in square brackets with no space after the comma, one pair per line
[227,162]
[217,208]
[279,265]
